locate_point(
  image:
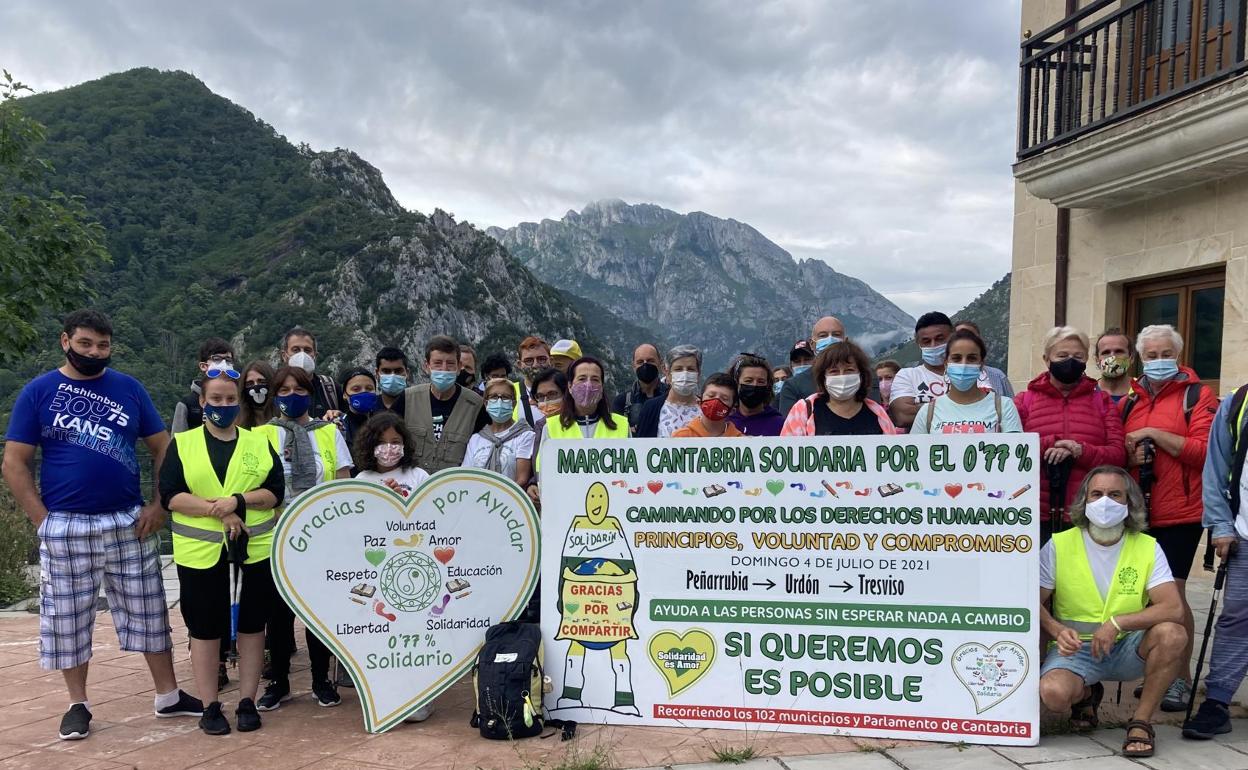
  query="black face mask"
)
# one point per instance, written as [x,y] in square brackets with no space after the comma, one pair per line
[466,379]
[1067,372]
[753,396]
[86,365]
[647,373]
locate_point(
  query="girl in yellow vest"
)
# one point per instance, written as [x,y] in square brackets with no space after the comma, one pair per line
[222,483]
[311,452]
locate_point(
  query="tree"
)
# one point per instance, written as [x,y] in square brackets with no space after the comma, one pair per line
[49,243]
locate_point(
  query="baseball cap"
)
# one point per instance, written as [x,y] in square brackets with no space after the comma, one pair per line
[567,349]
[801,349]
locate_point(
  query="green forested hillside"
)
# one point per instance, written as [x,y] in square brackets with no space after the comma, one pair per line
[990,311]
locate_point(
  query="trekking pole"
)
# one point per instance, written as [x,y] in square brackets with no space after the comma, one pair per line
[1059,481]
[1219,583]
[1208,561]
[1148,475]
[236,554]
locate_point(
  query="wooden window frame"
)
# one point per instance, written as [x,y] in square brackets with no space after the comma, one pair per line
[1184,285]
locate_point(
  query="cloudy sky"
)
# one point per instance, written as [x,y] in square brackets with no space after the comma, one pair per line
[874,135]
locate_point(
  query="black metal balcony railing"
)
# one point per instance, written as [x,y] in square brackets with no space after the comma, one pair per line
[1117,58]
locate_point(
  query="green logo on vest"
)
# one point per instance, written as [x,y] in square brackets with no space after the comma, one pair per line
[251,463]
[1127,579]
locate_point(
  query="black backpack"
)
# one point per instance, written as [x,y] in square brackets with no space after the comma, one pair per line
[508,678]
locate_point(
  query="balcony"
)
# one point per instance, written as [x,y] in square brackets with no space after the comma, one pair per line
[1129,99]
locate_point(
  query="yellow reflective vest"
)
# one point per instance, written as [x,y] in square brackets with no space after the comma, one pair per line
[1077,601]
[199,540]
[555,429]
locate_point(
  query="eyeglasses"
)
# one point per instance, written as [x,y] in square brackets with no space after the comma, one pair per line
[543,361]
[553,399]
[218,371]
[220,359]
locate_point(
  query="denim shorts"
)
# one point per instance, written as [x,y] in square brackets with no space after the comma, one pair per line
[1122,664]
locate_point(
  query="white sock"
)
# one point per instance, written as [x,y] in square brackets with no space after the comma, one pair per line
[85,703]
[167,699]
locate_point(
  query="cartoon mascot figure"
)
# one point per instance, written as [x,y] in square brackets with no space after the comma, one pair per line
[597,600]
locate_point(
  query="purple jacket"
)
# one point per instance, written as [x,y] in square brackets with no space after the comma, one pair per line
[766,423]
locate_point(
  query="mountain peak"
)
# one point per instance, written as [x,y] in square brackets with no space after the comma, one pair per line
[355,179]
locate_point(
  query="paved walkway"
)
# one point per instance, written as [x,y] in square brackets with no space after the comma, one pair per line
[300,735]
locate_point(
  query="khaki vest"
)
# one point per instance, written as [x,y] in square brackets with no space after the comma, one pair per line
[433,455]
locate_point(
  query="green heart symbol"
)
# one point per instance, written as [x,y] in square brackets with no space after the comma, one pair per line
[375,556]
[775,486]
[571,607]
[677,651]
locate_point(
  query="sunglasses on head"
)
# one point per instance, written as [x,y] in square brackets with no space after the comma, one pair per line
[222,371]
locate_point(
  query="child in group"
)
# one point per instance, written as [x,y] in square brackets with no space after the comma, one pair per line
[387,454]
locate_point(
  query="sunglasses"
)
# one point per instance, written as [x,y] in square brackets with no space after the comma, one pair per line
[219,371]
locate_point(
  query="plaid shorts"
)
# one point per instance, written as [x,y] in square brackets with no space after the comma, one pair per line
[76,553]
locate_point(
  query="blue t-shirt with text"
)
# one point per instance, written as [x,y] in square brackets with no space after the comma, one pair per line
[87,431]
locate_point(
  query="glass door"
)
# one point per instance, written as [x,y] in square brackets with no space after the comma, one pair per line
[1193,306]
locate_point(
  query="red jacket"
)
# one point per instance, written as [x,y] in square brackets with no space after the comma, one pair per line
[1086,415]
[1176,489]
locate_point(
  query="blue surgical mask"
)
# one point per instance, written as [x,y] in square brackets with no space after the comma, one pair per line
[778,386]
[500,409]
[221,416]
[393,384]
[823,343]
[294,405]
[934,356]
[443,380]
[962,376]
[363,402]
[799,369]
[1161,369]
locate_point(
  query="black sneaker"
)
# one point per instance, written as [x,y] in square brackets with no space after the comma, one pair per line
[326,694]
[343,679]
[223,678]
[246,716]
[187,706]
[1213,718]
[76,724]
[274,694]
[213,722]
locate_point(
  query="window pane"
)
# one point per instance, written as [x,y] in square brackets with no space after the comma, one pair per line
[1161,309]
[1205,338]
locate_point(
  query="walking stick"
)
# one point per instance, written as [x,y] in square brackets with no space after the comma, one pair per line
[1219,582]
[236,554]
[1148,475]
[1059,480]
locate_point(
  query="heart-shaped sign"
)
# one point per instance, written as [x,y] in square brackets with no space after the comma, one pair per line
[655,486]
[775,486]
[953,490]
[409,626]
[990,673]
[682,659]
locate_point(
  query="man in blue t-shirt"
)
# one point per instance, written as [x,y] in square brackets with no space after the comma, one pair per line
[89,512]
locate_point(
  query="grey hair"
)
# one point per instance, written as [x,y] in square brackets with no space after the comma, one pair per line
[1158,330]
[1137,514]
[684,351]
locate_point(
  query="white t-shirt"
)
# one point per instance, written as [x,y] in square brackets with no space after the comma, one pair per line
[979,417]
[922,384]
[519,447]
[407,478]
[344,457]
[1103,560]
[673,417]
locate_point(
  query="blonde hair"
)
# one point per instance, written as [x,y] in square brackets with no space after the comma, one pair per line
[1061,334]
[499,381]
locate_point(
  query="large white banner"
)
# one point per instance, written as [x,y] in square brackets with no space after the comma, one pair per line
[875,586]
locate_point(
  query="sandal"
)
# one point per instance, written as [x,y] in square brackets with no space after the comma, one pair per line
[1139,724]
[1084,715]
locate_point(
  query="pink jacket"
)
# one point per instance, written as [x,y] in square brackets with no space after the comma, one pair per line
[801,419]
[1086,415]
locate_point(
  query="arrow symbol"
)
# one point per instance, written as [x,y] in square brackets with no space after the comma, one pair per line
[770,584]
[845,587]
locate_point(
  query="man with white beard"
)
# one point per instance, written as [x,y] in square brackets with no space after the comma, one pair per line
[1116,613]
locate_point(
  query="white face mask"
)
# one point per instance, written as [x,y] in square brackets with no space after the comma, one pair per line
[842,387]
[685,383]
[303,361]
[1106,512]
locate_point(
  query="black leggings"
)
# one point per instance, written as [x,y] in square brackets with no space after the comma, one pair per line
[281,642]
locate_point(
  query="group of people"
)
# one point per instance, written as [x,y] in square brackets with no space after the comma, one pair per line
[248,439]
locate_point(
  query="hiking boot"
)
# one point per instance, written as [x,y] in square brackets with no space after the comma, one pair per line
[213,722]
[1176,696]
[187,706]
[246,716]
[274,694]
[1212,719]
[326,694]
[76,724]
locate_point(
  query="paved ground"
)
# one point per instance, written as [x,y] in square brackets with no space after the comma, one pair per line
[301,735]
